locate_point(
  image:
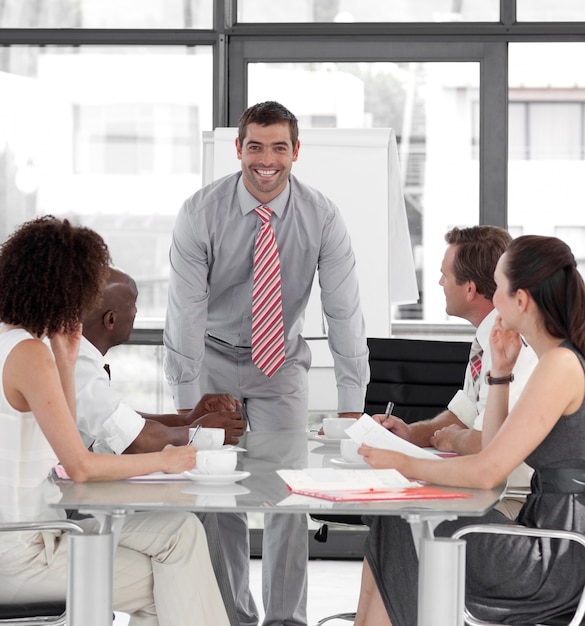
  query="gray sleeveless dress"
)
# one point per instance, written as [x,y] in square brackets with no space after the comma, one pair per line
[509,579]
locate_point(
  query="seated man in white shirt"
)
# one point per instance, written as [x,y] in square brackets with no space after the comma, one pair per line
[106,421]
[467,279]
[109,425]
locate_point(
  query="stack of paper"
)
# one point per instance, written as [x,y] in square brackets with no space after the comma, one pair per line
[367,430]
[359,485]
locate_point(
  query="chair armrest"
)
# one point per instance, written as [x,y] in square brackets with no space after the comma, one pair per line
[512,529]
[64,525]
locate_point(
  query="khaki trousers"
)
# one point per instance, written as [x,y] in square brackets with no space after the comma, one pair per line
[162,571]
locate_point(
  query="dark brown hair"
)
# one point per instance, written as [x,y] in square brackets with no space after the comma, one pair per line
[266,114]
[546,268]
[51,274]
[478,250]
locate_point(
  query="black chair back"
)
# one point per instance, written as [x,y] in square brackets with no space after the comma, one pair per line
[420,376]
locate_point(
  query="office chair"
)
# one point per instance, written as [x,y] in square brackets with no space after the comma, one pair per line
[36,613]
[419,375]
[503,529]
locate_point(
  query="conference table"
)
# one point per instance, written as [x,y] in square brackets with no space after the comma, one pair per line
[442,561]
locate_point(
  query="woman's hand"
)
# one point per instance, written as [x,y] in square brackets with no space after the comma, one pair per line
[505,348]
[382,459]
[65,346]
[178,459]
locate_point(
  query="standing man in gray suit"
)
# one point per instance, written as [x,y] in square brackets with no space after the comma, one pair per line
[244,253]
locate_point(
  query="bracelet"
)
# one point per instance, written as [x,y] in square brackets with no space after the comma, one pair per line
[502,380]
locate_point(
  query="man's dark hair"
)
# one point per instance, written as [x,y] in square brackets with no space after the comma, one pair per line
[478,250]
[266,114]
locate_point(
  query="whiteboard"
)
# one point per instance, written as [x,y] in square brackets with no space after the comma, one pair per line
[359,170]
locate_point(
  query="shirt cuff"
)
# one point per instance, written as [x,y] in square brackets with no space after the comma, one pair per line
[350,400]
[464,408]
[185,396]
[122,428]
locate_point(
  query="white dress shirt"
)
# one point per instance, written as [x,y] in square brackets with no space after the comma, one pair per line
[464,405]
[105,421]
[471,411]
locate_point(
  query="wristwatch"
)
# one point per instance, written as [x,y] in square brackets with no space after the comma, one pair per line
[502,380]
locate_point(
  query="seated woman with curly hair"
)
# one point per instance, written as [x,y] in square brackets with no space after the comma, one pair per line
[51,274]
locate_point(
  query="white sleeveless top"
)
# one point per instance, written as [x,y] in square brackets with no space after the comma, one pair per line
[26,459]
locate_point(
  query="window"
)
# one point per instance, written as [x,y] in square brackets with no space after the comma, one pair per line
[547,130]
[347,11]
[107,14]
[546,139]
[109,137]
[431,107]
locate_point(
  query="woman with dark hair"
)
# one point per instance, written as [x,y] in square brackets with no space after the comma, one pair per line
[540,295]
[51,274]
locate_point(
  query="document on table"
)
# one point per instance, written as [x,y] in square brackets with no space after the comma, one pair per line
[327,478]
[359,485]
[367,430]
[59,472]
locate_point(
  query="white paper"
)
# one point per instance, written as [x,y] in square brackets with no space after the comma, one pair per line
[329,479]
[367,430]
[158,477]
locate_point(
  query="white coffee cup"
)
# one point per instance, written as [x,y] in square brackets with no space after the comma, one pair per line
[349,451]
[334,427]
[216,462]
[207,438]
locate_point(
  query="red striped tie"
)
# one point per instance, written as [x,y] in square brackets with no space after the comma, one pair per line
[267,324]
[475,357]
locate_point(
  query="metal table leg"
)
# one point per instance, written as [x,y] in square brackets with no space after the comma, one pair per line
[90,572]
[441,580]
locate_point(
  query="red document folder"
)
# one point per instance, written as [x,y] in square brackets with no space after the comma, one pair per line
[410,493]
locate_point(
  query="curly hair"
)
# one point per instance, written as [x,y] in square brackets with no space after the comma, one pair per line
[51,274]
[267,114]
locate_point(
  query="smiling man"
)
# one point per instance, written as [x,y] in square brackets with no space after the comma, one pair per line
[244,253]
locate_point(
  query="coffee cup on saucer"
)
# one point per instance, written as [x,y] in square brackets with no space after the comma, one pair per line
[335,427]
[207,438]
[216,462]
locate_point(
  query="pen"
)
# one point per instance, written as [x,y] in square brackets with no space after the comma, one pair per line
[195,430]
[389,408]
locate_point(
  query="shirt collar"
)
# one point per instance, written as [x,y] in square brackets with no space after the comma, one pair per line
[248,203]
[87,349]
[485,328]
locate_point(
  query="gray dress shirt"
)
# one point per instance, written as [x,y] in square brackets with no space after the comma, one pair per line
[210,287]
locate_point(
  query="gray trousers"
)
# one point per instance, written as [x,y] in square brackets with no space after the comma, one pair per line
[216,554]
[279,403]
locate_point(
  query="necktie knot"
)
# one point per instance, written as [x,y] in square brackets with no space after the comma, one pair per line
[264,212]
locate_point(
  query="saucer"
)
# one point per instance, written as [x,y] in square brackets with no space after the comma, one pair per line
[216,479]
[230,489]
[324,439]
[341,462]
